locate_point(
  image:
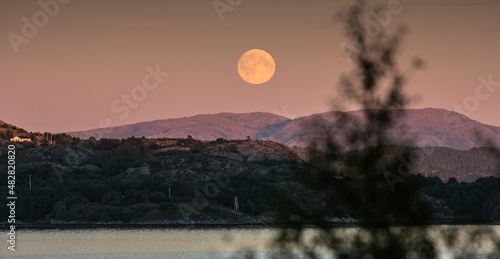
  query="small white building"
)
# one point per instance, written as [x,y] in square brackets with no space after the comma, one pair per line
[20,139]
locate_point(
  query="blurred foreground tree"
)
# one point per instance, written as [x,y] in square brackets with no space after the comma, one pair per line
[351,173]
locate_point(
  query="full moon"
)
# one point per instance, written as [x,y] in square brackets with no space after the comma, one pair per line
[256,66]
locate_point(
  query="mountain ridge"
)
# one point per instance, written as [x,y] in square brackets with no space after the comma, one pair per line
[427,127]
[209,127]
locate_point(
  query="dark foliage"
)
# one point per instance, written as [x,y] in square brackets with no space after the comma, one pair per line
[376,190]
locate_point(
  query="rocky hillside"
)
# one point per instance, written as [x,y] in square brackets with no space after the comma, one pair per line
[254,151]
[180,156]
[8,130]
[59,155]
[131,180]
[445,163]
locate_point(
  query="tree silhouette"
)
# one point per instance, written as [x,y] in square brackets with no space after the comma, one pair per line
[391,213]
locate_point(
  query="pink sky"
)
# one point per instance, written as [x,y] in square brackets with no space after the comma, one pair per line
[82,60]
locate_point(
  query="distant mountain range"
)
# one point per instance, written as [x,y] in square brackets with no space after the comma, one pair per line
[426,127]
[203,127]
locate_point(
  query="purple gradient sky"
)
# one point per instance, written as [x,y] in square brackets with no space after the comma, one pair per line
[67,76]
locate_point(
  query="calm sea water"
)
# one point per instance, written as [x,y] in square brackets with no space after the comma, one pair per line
[164,243]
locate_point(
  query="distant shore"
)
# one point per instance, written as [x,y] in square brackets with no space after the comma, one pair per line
[131,225]
[63,226]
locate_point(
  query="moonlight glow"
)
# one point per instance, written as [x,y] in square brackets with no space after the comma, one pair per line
[256,66]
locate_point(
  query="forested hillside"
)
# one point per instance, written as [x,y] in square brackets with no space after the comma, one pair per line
[192,181]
